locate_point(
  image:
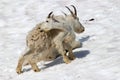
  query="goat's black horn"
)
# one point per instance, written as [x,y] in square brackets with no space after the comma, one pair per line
[69,10]
[49,15]
[75,11]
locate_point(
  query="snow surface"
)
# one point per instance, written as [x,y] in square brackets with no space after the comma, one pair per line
[98,59]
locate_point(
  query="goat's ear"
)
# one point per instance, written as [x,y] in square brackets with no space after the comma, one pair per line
[49,15]
[64,13]
[55,20]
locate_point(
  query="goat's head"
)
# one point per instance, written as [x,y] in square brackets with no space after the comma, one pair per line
[47,25]
[74,20]
[46,28]
[50,23]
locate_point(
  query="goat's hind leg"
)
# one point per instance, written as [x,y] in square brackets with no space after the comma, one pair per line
[33,64]
[19,66]
[21,60]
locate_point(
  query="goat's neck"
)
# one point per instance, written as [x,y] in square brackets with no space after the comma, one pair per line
[71,24]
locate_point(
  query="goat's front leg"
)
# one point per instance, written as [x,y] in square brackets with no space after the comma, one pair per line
[70,55]
[69,52]
[58,41]
[62,51]
[65,58]
[74,45]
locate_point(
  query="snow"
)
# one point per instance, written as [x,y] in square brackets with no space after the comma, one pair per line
[99,57]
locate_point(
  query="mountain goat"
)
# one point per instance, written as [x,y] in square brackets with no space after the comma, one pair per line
[49,38]
[69,23]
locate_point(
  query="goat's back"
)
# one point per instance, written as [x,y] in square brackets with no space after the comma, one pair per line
[38,39]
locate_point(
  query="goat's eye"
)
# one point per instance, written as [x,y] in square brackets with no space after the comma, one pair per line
[46,21]
[41,30]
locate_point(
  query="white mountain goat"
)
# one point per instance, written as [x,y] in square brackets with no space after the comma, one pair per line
[49,38]
[70,24]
